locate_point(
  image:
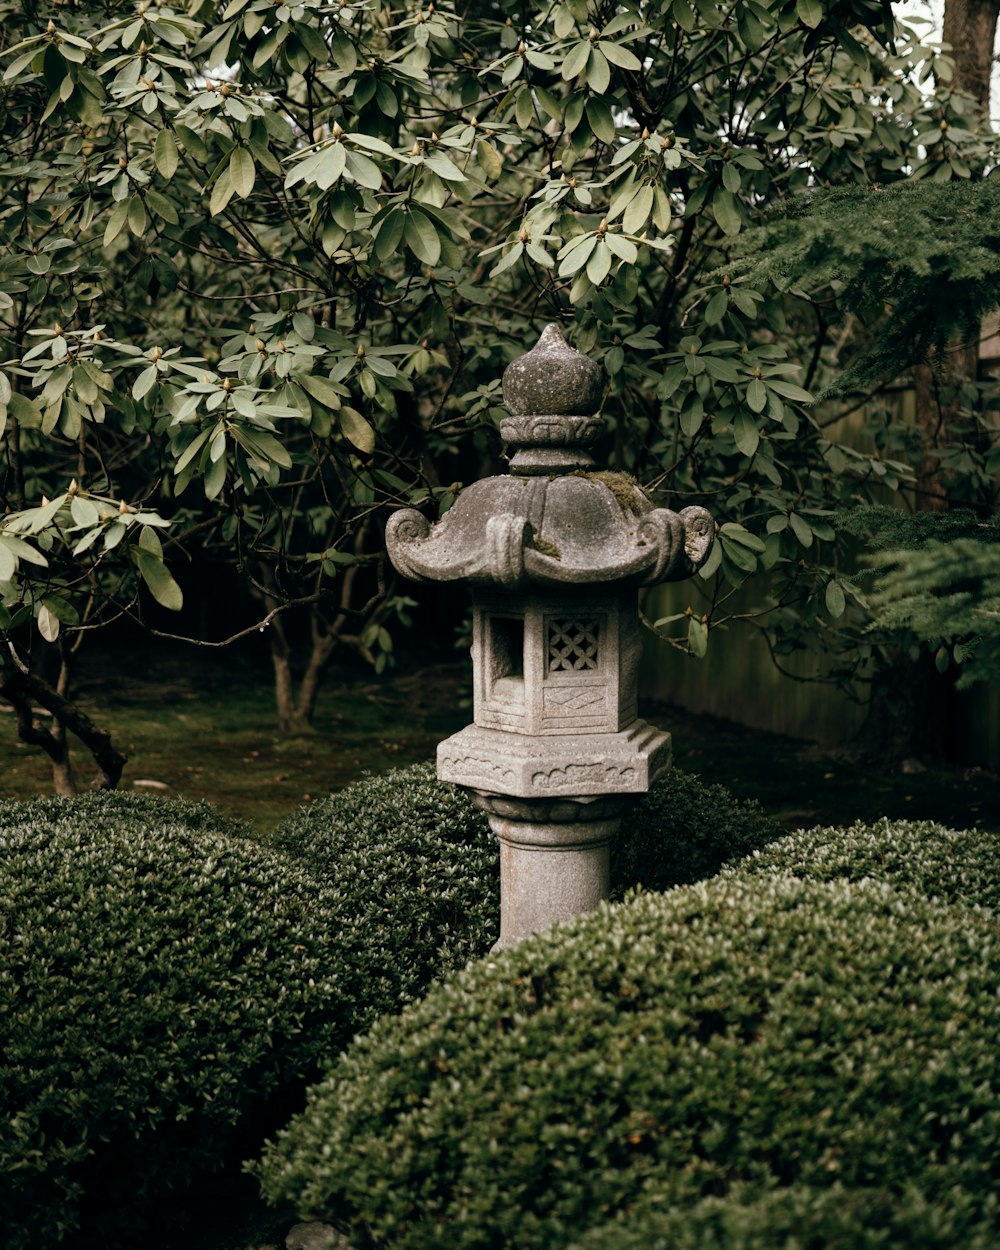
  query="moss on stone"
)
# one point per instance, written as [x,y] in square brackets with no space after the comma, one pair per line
[546,548]
[623,486]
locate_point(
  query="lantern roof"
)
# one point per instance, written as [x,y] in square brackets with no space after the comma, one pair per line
[556,518]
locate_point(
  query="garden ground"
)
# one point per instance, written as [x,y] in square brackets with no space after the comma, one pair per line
[201,725]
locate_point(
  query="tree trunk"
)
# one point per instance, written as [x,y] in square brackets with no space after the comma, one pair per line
[970,28]
[22,689]
[296,707]
[909,703]
[63,781]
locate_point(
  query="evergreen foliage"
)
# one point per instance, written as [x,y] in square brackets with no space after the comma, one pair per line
[948,596]
[952,865]
[263,266]
[167,989]
[886,529]
[684,830]
[938,582]
[801,1217]
[741,1036]
[921,260]
[407,836]
[415,860]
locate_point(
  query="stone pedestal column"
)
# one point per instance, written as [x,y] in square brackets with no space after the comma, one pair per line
[554,859]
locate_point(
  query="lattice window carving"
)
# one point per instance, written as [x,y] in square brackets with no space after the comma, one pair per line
[573,644]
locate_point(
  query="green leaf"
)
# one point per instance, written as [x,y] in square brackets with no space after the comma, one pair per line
[738,534]
[422,237]
[601,121]
[599,263]
[576,254]
[810,12]
[757,395]
[48,623]
[161,206]
[364,171]
[716,307]
[638,209]
[242,171]
[193,144]
[801,529]
[726,211]
[698,637]
[222,192]
[149,541]
[161,584]
[165,154]
[620,56]
[575,61]
[746,433]
[116,222]
[138,219]
[25,552]
[684,16]
[390,233]
[192,449]
[598,71]
[357,430]
[321,389]
[731,179]
[215,478]
[263,446]
[145,382]
[489,159]
[84,512]
[789,391]
[835,599]
[524,111]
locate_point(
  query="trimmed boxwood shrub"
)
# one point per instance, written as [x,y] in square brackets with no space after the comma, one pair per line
[762,1031]
[684,830]
[436,854]
[419,861]
[803,1218]
[951,864]
[167,991]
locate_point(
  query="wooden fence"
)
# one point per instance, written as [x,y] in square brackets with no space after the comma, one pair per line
[738,680]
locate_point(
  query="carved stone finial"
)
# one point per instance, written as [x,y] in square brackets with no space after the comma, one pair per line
[552,393]
[553,379]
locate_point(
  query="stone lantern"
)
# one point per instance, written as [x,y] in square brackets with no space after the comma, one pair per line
[554,553]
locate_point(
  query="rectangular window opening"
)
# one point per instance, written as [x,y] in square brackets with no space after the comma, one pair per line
[507,647]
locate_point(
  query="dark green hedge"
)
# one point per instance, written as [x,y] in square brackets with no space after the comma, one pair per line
[436,850]
[758,1030]
[950,864]
[417,861]
[802,1218]
[166,990]
[684,830]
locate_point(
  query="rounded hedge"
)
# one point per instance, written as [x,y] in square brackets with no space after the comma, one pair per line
[684,830]
[950,864]
[760,1031]
[803,1218]
[437,856]
[167,991]
[416,859]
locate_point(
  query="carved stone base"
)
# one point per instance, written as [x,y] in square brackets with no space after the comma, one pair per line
[555,766]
